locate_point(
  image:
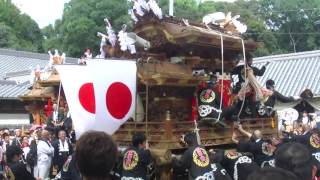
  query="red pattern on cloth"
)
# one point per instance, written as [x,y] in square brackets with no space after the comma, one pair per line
[226,94]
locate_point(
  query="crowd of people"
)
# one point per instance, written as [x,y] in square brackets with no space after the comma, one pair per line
[44,155]
[36,155]
[292,157]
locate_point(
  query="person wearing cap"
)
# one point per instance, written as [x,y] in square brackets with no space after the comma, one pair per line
[195,159]
[19,170]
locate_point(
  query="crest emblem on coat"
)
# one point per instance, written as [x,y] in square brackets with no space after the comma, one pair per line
[315,141]
[130,160]
[207,96]
[266,149]
[200,157]
[232,154]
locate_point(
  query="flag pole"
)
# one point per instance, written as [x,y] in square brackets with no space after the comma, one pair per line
[58,103]
[136,97]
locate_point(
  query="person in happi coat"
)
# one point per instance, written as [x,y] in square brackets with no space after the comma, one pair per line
[136,159]
[62,150]
[195,159]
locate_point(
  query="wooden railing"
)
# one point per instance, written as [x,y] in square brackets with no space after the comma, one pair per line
[167,134]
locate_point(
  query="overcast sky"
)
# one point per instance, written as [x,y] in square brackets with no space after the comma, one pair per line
[45,12]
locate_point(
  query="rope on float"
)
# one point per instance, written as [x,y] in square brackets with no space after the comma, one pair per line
[245,76]
[222,72]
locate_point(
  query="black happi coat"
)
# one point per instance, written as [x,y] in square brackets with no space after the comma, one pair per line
[219,172]
[135,162]
[196,160]
[208,97]
[243,170]
[239,71]
[70,170]
[60,158]
[257,148]
[276,96]
[311,140]
[20,171]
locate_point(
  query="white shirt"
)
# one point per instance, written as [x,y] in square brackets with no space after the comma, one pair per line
[45,152]
[63,146]
[25,151]
[305,120]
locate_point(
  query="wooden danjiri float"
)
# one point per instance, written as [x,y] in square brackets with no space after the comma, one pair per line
[181,56]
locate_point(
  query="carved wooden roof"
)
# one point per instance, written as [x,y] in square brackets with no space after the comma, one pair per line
[39,93]
[165,73]
[173,31]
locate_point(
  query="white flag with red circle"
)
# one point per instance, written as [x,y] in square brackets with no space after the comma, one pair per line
[80,95]
[114,83]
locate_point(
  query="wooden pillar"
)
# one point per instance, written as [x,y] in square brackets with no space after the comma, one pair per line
[168,126]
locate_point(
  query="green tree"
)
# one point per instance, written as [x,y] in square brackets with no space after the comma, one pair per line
[18,30]
[292,22]
[81,21]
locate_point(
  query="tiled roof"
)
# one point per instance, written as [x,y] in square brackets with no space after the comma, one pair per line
[292,73]
[11,90]
[17,61]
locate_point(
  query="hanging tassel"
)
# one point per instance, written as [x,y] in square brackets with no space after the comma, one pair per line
[273,123]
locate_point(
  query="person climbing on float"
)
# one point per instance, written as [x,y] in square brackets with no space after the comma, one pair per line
[266,110]
[209,104]
[248,89]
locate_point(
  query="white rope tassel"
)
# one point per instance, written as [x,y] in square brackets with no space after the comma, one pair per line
[245,75]
[222,72]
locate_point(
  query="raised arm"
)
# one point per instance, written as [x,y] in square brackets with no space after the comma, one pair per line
[282,98]
[244,132]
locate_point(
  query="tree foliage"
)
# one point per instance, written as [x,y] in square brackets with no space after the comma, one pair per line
[281,26]
[293,23]
[81,21]
[18,30]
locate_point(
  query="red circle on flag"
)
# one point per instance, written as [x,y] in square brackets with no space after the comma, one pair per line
[87,98]
[118,100]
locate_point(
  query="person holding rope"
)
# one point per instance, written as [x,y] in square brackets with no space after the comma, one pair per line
[248,86]
[208,101]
